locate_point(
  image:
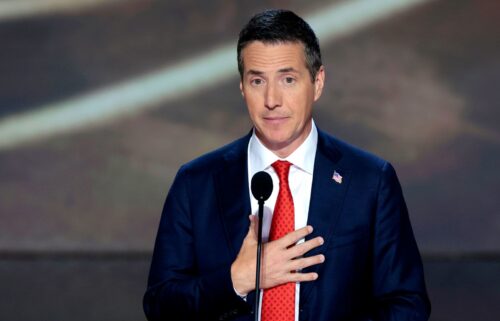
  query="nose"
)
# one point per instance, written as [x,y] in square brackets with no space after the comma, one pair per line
[272,97]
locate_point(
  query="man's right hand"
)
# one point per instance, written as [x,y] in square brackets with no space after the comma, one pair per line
[281,260]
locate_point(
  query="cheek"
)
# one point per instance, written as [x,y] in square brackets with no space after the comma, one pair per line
[299,104]
[254,101]
[250,96]
[252,109]
[304,102]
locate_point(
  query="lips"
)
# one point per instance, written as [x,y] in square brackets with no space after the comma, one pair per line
[275,119]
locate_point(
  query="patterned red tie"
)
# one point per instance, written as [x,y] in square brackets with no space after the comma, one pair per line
[278,303]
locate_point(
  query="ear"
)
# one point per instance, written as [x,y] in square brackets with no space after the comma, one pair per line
[319,83]
[241,89]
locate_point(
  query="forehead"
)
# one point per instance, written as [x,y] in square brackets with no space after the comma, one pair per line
[262,56]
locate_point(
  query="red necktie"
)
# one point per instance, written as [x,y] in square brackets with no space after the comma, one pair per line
[278,303]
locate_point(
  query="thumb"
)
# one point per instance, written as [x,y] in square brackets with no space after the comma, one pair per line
[252,229]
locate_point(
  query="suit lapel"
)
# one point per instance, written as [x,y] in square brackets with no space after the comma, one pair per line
[327,197]
[231,188]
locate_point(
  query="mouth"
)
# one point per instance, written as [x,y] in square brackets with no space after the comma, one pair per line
[275,120]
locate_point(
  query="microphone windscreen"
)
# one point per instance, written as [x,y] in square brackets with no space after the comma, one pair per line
[262,185]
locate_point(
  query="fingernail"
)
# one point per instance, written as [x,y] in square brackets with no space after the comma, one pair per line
[315,276]
[322,258]
[321,241]
[310,228]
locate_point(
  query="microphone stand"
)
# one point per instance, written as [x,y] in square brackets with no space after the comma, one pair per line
[259,251]
[262,187]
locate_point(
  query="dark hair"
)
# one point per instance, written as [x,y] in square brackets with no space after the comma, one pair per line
[279,26]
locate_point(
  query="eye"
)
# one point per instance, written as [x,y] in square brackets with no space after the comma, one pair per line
[289,80]
[256,81]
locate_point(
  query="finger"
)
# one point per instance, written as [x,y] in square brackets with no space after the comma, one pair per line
[303,248]
[302,277]
[293,237]
[305,262]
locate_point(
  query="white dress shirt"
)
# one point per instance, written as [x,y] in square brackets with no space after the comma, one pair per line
[299,179]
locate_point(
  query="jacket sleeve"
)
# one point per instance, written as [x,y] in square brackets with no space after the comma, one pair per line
[176,289]
[398,281]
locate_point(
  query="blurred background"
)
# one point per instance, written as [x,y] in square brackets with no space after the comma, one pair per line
[101,101]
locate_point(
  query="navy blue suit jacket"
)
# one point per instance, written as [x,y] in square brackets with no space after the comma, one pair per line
[372,270]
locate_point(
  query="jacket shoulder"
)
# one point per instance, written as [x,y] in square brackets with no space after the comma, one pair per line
[218,158]
[351,156]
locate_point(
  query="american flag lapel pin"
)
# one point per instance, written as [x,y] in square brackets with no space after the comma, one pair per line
[337,177]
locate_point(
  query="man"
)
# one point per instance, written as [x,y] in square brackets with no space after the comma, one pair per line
[339,245]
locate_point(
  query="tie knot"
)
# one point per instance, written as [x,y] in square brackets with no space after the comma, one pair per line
[282,168]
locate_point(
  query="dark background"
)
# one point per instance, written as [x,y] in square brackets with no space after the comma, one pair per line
[79,210]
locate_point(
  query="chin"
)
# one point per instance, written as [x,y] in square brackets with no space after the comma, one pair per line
[278,142]
[274,137]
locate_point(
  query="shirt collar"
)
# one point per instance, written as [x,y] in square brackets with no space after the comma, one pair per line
[261,158]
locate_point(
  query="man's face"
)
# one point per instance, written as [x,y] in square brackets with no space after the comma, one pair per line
[279,93]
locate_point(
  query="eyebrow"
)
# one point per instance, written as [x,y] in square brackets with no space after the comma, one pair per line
[288,69]
[254,72]
[282,70]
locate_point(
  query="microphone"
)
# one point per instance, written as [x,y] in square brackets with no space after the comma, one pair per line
[262,187]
